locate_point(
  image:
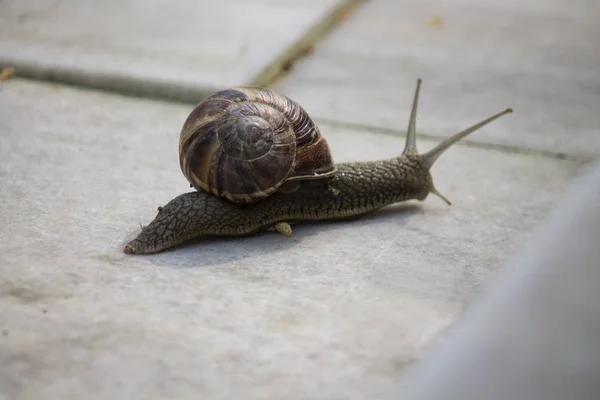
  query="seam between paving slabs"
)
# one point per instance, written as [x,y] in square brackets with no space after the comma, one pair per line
[388,131]
[305,45]
[115,83]
[173,91]
[469,143]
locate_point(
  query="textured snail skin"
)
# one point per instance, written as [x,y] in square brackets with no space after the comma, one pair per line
[358,188]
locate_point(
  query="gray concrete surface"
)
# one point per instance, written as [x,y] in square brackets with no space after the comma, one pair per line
[337,311]
[182,49]
[541,58]
[535,333]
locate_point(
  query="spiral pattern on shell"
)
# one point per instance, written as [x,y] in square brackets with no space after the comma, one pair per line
[244,143]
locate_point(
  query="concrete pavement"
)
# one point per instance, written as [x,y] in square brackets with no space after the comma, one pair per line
[339,311]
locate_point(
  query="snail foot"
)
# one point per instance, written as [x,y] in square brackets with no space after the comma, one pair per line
[282,227]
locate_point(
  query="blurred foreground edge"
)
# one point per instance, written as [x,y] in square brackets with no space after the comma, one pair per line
[535,333]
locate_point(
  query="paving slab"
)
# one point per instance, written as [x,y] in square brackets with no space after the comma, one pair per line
[181,49]
[476,57]
[340,310]
[535,332]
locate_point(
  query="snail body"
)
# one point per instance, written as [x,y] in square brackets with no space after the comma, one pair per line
[310,188]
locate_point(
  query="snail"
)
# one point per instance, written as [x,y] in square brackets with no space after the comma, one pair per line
[258,162]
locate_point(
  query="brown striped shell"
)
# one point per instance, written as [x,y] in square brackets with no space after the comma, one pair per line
[244,143]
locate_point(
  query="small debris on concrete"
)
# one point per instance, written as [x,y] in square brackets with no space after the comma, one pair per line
[435,21]
[7,73]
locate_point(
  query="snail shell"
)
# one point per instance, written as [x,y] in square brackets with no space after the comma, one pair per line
[245,143]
